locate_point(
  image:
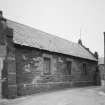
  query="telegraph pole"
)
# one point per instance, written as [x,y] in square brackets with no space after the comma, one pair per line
[80,33]
[104,54]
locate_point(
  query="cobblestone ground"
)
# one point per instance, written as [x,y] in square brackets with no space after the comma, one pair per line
[76,96]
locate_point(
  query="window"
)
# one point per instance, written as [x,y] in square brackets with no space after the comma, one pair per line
[27,68]
[47,63]
[69,67]
[84,68]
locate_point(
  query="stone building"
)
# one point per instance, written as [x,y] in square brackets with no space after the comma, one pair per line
[101,68]
[33,61]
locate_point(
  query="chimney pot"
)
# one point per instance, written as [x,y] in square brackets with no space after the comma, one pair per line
[80,41]
[96,54]
[1,13]
[87,49]
[2,20]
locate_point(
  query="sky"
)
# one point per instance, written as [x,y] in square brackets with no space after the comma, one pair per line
[69,19]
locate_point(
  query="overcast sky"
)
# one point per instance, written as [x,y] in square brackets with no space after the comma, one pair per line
[63,18]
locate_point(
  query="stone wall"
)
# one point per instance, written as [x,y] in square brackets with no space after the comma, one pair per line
[30,71]
[7,50]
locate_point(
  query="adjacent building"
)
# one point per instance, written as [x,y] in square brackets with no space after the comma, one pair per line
[101,68]
[35,61]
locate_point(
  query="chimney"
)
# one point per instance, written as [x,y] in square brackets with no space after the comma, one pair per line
[96,54]
[1,13]
[88,49]
[2,20]
[80,41]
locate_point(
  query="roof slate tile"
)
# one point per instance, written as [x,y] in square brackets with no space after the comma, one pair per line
[25,35]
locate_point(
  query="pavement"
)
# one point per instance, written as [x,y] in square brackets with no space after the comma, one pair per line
[72,96]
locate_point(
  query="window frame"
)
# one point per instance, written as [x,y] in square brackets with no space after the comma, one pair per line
[49,71]
[69,64]
[84,68]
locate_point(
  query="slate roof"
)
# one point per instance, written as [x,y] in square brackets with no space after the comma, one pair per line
[25,35]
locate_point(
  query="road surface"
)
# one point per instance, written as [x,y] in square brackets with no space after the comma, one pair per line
[74,96]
